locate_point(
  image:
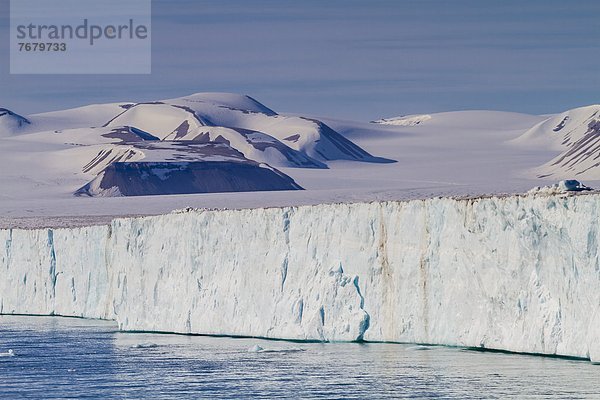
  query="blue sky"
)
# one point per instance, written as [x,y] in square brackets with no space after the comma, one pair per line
[349,59]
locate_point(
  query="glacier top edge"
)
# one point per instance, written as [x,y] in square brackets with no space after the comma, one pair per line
[78,221]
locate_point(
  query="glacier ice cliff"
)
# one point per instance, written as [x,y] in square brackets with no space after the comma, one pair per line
[517,273]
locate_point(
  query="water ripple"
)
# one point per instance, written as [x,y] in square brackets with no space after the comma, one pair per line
[71,358]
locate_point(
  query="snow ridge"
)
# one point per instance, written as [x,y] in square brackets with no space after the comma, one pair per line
[11,123]
[576,133]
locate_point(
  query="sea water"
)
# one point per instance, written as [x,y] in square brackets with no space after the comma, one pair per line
[73,358]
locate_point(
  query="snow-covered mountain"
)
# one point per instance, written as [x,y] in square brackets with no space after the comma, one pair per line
[576,133]
[181,168]
[204,143]
[307,135]
[457,153]
[11,123]
[171,122]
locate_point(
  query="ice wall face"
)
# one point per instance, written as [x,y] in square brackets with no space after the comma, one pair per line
[514,273]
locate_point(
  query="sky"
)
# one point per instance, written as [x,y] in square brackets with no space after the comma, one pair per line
[348,59]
